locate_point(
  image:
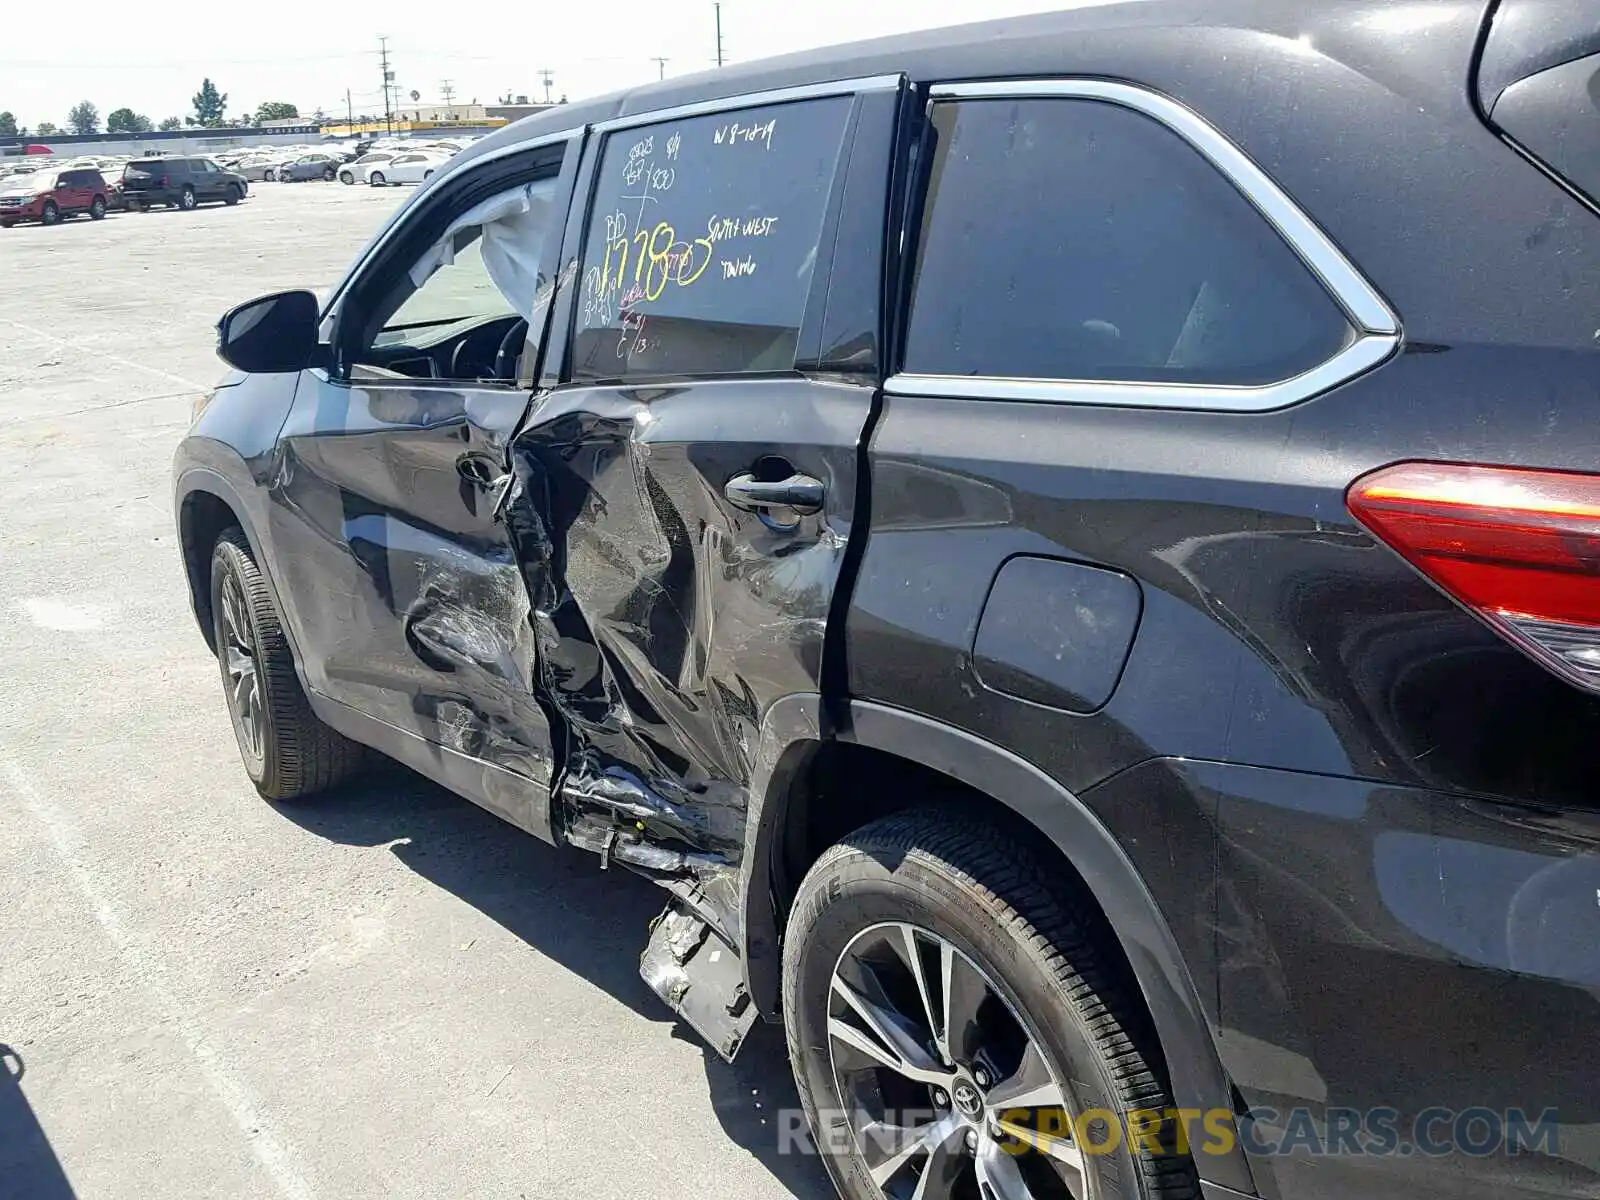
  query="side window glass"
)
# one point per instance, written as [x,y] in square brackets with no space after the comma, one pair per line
[1080,240]
[702,240]
[463,309]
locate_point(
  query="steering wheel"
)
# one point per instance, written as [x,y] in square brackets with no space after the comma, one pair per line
[510,352]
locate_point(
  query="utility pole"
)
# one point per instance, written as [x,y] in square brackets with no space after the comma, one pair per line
[349,111]
[718,7]
[388,81]
[661,63]
[547,75]
[448,92]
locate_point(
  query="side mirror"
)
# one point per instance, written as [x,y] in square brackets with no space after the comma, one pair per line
[272,334]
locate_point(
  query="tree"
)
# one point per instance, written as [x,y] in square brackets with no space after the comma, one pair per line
[319,116]
[8,125]
[84,117]
[209,105]
[125,120]
[170,123]
[276,110]
[46,128]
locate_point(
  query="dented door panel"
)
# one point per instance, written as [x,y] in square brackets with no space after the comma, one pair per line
[669,619]
[406,586]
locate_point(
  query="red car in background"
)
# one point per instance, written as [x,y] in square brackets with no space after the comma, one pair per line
[52,194]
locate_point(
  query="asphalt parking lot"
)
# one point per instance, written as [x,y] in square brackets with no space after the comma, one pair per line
[387,993]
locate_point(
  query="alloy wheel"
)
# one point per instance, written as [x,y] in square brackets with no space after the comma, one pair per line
[243,670]
[946,1092]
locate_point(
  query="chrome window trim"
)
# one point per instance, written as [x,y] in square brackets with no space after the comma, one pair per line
[1377,327]
[1366,352]
[700,108]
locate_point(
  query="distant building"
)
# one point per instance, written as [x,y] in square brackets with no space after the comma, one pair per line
[193,140]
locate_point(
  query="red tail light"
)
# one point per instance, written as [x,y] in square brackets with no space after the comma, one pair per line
[1521,548]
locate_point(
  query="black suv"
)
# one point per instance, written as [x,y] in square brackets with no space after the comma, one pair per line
[1069,548]
[184,183]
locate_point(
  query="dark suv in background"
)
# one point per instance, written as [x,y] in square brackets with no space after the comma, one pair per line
[179,183]
[1069,548]
[52,194]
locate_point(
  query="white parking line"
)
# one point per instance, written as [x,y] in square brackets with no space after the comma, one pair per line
[187,384]
[277,1159]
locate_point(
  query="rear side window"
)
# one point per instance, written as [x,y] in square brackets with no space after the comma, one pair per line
[1076,239]
[702,242]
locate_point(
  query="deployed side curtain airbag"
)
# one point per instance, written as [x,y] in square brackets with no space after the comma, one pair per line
[511,228]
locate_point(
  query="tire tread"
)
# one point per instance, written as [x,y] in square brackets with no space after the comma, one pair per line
[303,755]
[1014,886]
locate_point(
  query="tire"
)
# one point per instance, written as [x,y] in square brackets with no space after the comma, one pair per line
[328,175]
[187,200]
[1056,1013]
[6,224]
[288,752]
[376,179]
[51,213]
[346,178]
[97,208]
[232,196]
[269,175]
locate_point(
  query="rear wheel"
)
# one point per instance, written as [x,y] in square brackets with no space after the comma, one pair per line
[6,224]
[51,213]
[233,194]
[957,1029]
[376,179]
[97,208]
[288,752]
[187,199]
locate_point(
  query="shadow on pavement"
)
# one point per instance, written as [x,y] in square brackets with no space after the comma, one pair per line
[28,1166]
[593,923]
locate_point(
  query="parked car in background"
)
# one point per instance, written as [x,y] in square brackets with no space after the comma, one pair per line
[256,168]
[357,171]
[182,183]
[278,162]
[412,167]
[53,194]
[310,166]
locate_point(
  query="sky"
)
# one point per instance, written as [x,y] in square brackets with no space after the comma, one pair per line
[308,52]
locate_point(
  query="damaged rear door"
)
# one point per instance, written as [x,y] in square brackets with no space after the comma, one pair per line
[687,489]
[409,601]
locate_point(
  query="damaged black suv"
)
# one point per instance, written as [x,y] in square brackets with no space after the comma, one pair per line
[1067,547]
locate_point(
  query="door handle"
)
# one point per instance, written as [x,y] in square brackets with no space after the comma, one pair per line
[801,493]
